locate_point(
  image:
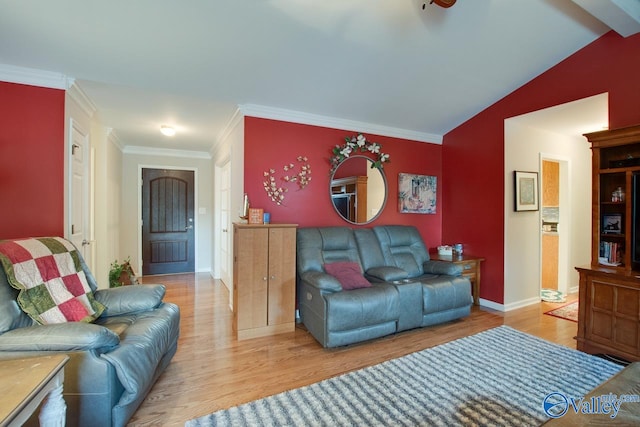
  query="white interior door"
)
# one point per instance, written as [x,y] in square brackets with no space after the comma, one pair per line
[225,225]
[79,227]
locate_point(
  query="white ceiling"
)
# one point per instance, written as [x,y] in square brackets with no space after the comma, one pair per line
[385,64]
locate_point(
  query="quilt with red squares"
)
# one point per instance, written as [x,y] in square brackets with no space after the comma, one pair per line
[53,287]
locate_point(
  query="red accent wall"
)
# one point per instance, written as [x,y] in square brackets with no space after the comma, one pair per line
[473,153]
[270,144]
[32,157]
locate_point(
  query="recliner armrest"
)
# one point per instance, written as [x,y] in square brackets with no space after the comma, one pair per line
[442,267]
[130,299]
[322,281]
[71,336]
[387,274]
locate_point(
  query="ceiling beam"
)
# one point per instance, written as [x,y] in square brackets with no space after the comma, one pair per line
[622,16]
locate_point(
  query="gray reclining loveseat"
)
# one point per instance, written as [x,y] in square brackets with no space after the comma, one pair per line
[408,289]
[113,361]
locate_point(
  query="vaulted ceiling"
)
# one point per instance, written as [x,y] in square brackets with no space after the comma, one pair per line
[387,65]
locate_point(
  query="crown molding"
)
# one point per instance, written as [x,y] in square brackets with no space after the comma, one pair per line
[274,113]
[113,137]
[233,122]
[83,101]
[33,77]
[167,152]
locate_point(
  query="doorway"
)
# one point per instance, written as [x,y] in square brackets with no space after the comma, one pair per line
[554,230]
[168,228]
[554,133]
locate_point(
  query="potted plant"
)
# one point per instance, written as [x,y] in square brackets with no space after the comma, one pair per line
[121,274]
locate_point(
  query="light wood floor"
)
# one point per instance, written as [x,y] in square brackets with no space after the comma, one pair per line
[212,370]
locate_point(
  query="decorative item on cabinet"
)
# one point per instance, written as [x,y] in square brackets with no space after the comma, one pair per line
[264,282]
[256,216]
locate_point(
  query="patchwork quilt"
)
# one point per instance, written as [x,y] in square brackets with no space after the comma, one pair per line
[53,287]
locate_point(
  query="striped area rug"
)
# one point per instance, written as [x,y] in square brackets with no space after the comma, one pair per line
[499,377]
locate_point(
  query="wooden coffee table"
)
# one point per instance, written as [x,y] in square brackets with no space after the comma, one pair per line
[25,383]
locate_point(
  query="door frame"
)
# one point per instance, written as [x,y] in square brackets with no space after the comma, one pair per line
[564,227]
[195,208]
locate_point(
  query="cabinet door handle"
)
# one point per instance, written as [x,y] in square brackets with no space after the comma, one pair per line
[273,277]
[264,278]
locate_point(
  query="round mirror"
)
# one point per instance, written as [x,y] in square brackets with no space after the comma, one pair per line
[358,191]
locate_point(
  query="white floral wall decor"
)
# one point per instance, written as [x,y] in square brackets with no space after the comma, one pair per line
[355,144]
[276,185]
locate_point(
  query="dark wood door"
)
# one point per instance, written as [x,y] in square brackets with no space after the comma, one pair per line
[167,221]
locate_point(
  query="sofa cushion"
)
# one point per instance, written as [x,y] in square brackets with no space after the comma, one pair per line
[402,247]
[369,249]
[442,267]
[67,337]
[442,293]
[144,340]
[348,274]
[387,274]
[361,307]
[319,246]
[130,299]
[53,286]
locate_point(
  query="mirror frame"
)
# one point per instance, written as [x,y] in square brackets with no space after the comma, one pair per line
[384,181]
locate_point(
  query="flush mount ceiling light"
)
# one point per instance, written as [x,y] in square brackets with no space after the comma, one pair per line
[167,130]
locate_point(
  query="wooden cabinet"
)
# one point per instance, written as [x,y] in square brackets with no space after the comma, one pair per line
[609,313]
[264,282]
[609,300]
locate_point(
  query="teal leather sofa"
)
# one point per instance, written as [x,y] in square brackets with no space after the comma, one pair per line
[113,362]
[409,290]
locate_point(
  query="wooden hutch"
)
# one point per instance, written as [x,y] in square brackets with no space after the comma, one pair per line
[609,308]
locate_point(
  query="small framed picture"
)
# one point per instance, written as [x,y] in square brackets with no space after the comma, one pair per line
[612,223]
[526,191]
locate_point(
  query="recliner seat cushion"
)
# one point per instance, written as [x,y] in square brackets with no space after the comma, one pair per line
[361,307]
[442,294]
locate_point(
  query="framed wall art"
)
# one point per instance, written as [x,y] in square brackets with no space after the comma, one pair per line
[612,223]
[417,193]
[526,191]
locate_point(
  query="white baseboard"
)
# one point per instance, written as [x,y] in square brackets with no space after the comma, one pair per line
[508,307]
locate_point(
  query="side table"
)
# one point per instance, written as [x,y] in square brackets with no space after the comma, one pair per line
[25,383]
[470,269]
